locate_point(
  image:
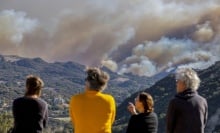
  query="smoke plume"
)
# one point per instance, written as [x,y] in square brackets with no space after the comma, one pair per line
[137,36]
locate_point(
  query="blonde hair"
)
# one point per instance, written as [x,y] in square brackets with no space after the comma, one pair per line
[34,85]
[189,77]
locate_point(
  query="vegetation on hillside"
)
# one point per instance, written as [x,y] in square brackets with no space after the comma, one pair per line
[62,80]
[6,122]
[65,79]
[164,90]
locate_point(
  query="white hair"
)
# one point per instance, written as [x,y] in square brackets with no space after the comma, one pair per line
[189,77]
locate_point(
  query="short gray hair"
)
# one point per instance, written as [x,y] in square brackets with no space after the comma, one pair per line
[189,77]
[97,78]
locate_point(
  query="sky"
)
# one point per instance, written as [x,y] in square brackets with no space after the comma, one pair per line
[142,37]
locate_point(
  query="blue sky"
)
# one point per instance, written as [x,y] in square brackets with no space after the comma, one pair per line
[139,36]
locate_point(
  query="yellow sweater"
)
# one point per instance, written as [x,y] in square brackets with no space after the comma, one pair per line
[92,112]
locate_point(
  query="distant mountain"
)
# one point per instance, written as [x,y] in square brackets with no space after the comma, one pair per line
[164,90]
[65,78]
[62,80]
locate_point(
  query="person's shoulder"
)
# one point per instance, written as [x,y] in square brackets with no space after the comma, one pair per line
[77,96]
[19,99]
[150,117]
[135,116]
[153,114]
[140,116]
[107,96]
[34,101]
[201,98]
[174,100]
[42,101]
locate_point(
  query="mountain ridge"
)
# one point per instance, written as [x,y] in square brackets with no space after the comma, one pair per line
[67,78]
[163,91]
[64,79]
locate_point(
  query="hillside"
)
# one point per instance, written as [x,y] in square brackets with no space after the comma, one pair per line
[164,90]
[62,80]
[65,78]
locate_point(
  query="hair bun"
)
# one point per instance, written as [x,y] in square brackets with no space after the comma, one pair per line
[92,75]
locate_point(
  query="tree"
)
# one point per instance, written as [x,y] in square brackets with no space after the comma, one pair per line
[6,122]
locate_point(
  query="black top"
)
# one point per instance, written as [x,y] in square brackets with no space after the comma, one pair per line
[187,113]
[143,123]
[30,115]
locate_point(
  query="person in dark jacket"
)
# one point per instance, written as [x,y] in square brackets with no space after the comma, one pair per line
[145,121]
[187,111]
[30,112]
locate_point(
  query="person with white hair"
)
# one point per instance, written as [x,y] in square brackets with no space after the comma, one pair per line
[187,111]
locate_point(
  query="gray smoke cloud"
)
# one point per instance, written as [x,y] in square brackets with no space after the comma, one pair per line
[13,27]
[137,36]
[204,33]
[110,64]
[153,57]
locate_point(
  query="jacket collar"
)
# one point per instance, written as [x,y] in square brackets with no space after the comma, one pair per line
[186,94]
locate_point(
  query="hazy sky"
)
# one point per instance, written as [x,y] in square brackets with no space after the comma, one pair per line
[139,36]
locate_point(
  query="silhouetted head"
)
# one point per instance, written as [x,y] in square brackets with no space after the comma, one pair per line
[34,85]
[96,79]
[186,78]
[144,102]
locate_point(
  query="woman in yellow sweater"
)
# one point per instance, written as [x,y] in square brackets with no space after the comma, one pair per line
[93,111]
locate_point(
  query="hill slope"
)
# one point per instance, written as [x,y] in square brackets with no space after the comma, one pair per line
[62,80]
[65,78]
[164,90]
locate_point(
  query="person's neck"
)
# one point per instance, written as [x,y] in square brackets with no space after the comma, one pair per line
[33,96]
[89,89]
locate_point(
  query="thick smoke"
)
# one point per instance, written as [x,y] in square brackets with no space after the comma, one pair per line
[13,27]
[110,64]
[153,57]
[138,36]
[204,33]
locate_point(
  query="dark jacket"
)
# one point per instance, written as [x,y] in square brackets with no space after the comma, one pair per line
[143,123]
[187,113]
[30,115]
